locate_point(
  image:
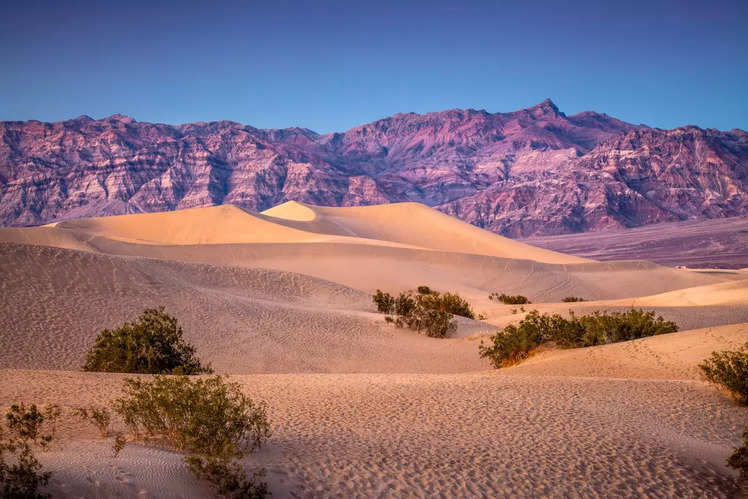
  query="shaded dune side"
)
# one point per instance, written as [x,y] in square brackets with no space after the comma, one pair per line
[409,223]
[241,320]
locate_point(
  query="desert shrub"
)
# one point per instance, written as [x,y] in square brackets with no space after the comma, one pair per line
[100,417]
[435,323]
[449,302]
[739,457]
[21,474]
[514,343]
[151,345]
[404,304]
[570,299]
[730,370]
[603,327]
[210,420]
[385,302]
[427,311]
[229,478]
[511,345]
[509,299]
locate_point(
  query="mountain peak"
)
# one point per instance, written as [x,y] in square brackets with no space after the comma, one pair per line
[120,117]
[545,108]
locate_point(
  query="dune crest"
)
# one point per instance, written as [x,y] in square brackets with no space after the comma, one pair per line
[409,223]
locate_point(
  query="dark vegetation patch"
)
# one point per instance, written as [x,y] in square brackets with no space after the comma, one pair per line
[26,430]
[153,344]
[425,311]
[509,299]
[515,343]
[210,420]
[572,299]
[729,369]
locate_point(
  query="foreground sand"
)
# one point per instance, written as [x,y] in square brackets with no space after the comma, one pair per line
[631,419]
[481,434]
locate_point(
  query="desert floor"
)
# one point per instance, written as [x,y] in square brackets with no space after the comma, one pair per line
[280,301]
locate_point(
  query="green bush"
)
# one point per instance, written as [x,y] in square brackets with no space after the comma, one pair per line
[509,299]
[98,416]
[210,420]
[603,327]
[514,343]
[21,474]
[384,301]
[405,304]
[427,311]
[449,302]
[730,370]
[511,345]
[739,457]
[570,299]
[229,478]
[435,323]
[151,345]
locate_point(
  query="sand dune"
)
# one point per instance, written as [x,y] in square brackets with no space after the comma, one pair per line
[409,223]
[667,356]
[367,267]
[281,301]
[417,226]
[727,293]
[241,320]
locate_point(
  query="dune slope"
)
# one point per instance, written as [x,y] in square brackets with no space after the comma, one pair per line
[409,223]
[241,320]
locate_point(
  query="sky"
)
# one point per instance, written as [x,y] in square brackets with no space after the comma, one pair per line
[333,65]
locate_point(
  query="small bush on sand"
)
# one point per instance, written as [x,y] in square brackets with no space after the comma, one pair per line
[21,474]
[427,311]
[511,346]
[739,458]
[570,299]
[509,299]
[514,343]
[210,420]
[730,370]
[435,323]
[385,302]
[151,345]
[604,327]
[451,303]
[405,304]
[100,417]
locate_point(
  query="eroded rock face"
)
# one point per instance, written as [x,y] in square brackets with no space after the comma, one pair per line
[530,172]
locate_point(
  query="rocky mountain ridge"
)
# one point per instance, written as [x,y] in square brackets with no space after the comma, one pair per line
[530,172]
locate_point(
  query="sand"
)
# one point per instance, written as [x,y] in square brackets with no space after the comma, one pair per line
[280,301]
[477,434]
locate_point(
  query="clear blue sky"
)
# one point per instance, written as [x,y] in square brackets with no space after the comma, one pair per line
[330,66]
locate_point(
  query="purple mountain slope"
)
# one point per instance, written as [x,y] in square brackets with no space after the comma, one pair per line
[530,172]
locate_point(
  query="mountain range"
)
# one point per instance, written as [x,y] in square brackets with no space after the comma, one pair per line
[530,172]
